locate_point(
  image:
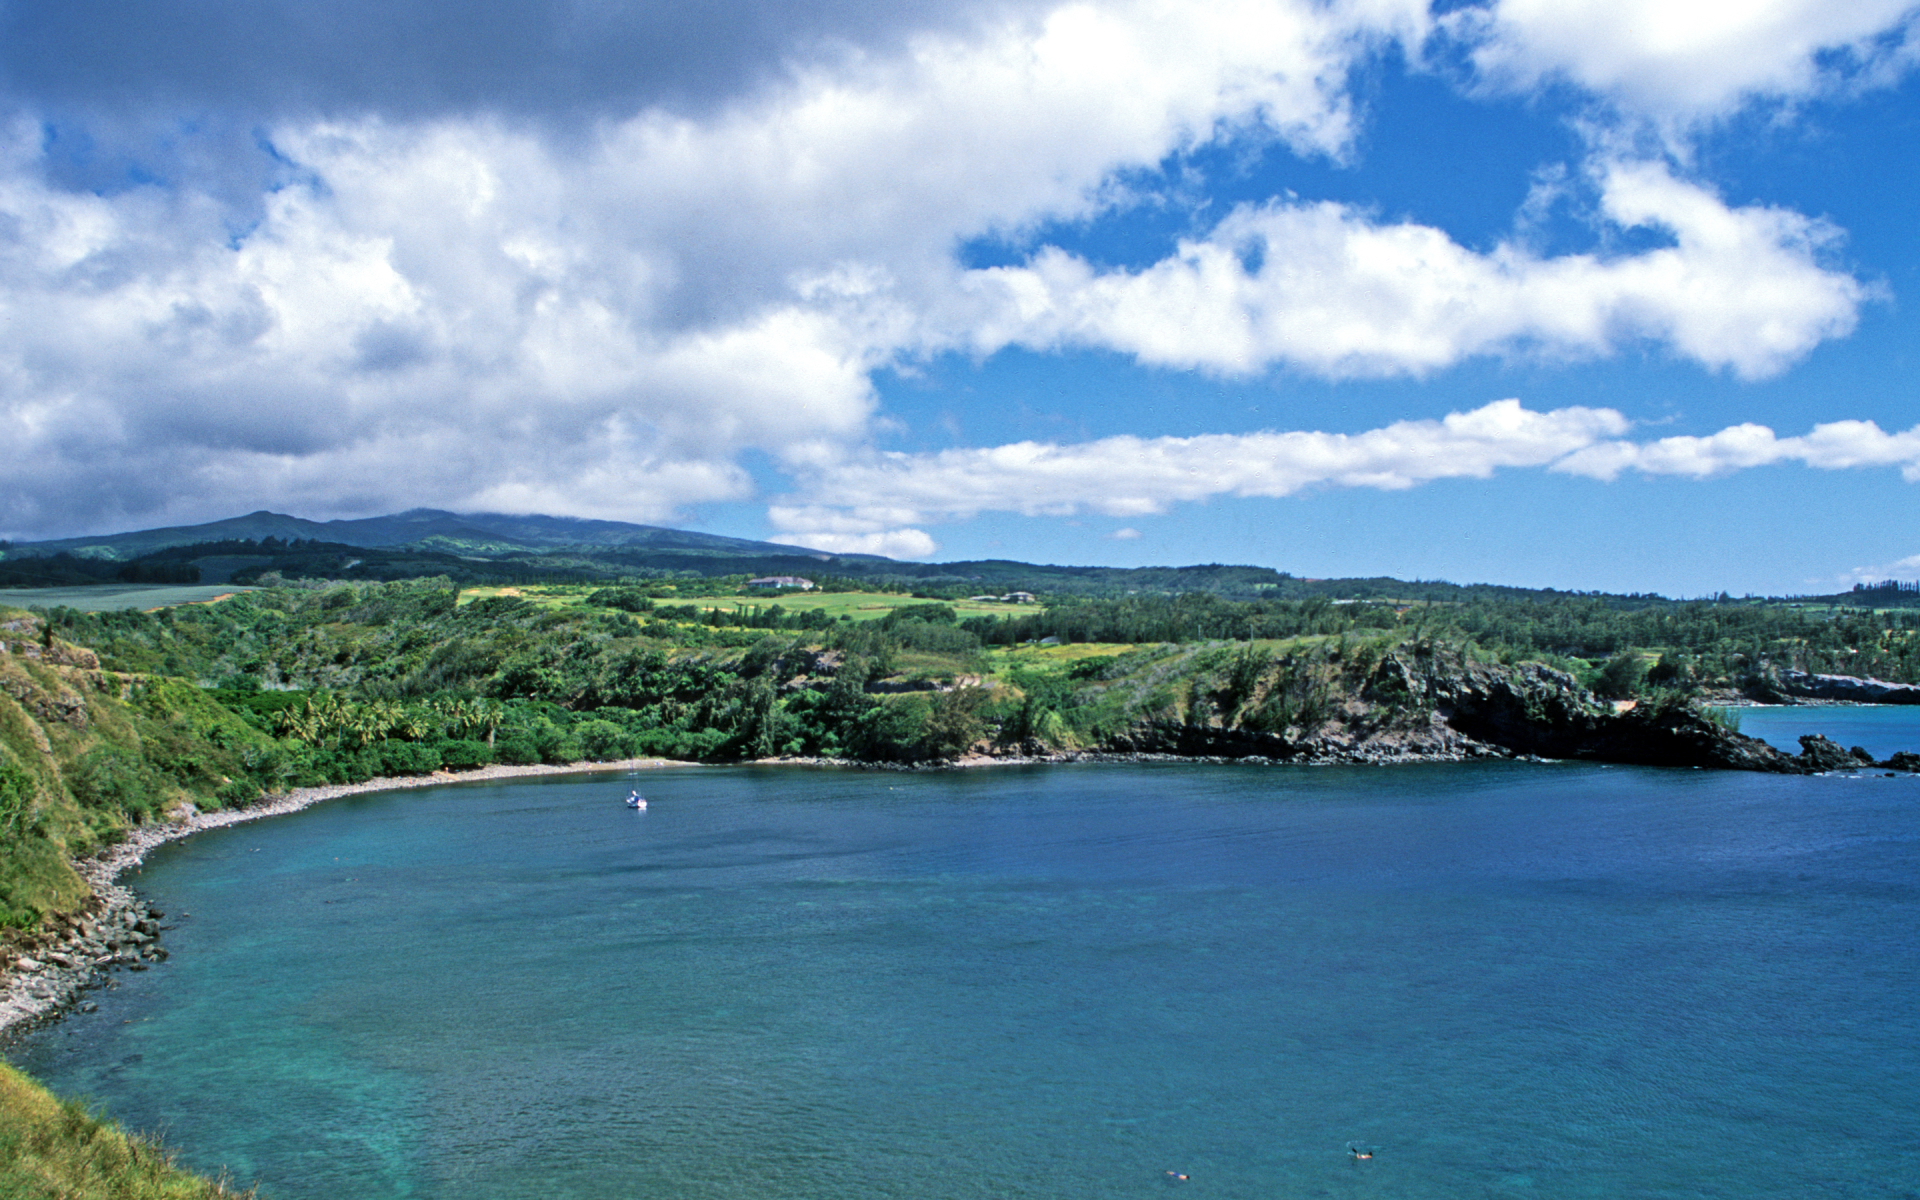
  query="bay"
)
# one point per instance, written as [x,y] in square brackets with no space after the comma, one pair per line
[1510,979]
[1884,729]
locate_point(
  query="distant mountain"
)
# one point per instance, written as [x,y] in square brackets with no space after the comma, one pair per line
[484,534]
[476,548]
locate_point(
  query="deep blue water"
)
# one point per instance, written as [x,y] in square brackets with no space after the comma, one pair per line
[1514,980]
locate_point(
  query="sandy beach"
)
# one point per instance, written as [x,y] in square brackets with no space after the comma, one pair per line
[33,986]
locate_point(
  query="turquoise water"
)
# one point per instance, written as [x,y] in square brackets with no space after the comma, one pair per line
[1884,729]
[1514,980]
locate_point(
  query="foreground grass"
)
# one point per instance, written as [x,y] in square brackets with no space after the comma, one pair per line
[52,1149]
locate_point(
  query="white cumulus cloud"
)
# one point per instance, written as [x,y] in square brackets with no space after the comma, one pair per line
[456,310]
[1683,62]
[1325,288]
[1130,476]
[893,494]
[1906,570]
[441,306]
[1834,446]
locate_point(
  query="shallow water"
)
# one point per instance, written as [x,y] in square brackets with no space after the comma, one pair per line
[1514,980]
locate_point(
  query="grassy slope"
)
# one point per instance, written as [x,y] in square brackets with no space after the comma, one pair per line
[61,719]
[52,1149]
[84,753]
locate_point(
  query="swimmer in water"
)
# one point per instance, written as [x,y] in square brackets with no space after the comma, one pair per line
[1176,1177]
[1359,1155]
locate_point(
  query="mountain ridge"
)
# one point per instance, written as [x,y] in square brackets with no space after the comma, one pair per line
[429,528]
[484,548]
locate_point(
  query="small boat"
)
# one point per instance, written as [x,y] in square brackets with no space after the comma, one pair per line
[636,801]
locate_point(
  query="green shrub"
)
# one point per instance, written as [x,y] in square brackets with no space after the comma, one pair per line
[932,614]
[630,599]
[354,766]
[956,720]
[237,793]
[406,758]
[111,780]
[603,740]
[1726,718]
[894,731]
[1622,677]
[17,789]
[694,745]
[464,754]
[519,749]
[1036,721]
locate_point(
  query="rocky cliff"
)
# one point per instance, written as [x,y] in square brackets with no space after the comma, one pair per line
[1441,706]
[1800,685]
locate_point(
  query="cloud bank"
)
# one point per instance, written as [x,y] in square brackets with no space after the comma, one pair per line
[446,290]
[1686,63]
[1323,288]
[881,499]
[1905,570]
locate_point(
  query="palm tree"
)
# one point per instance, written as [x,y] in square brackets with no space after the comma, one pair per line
[491,715]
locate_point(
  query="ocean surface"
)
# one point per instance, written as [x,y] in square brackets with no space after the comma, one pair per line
[1884,729]
[1508,980]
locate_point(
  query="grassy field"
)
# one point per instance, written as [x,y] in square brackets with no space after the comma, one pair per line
[1053,657]
[108,596]
[544,596]
[861,606]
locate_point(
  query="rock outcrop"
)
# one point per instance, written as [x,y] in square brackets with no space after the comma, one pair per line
[1444,708]
[75,952]
[1824,754]
[1801,685]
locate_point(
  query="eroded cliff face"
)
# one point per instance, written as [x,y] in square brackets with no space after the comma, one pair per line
[1789,686]
[1534,709]
[1441,706]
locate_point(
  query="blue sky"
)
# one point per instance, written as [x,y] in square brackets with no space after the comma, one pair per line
[1549,292]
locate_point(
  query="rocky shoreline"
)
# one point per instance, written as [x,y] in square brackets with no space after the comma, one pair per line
[119,930]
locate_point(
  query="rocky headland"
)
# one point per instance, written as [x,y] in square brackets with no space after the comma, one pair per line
[1444,708]
[1787,687]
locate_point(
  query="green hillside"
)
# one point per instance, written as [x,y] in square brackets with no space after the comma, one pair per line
[470,533]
